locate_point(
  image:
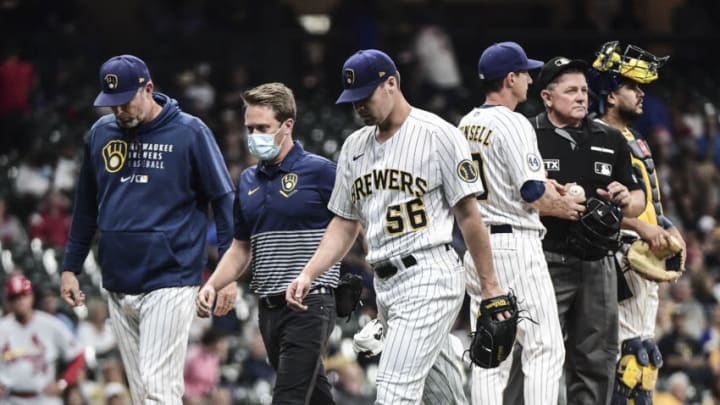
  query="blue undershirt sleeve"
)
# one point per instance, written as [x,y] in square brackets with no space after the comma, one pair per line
[531,190]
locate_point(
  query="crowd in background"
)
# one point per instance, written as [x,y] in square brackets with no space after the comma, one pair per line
[206,53]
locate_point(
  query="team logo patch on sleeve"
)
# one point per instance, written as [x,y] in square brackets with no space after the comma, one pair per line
[114,154]
[288,184]
[533,162]
[467,171]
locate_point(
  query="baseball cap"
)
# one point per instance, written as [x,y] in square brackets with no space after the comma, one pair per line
[501,58]
[120,78]
[363,72]
[17,284]
[555,66]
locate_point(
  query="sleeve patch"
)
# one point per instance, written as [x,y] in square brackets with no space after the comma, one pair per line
[534,162]
[467,171]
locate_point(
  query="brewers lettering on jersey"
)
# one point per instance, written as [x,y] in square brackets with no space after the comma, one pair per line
[504,147]
[403,176]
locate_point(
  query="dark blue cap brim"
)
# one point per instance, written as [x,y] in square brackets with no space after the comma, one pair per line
[114,99]
[358,93]
[533,64]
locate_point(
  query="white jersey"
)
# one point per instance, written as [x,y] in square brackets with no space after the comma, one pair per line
[504,146]
[29,353]
[402,190]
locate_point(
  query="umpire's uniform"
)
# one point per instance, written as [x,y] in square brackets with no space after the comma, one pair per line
[282,211]
[585,281]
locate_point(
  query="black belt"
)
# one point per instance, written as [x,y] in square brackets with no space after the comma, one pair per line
[387,269]
[278,300]
[505,228]
[565,248]
[23,394]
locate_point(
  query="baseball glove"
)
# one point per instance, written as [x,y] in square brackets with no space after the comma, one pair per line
[656,266]
[347,294]
[493,339]
[369,340]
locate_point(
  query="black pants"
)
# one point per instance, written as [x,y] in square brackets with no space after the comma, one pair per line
[295,343]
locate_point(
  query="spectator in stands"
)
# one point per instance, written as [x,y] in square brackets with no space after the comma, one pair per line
[202,370]
[692,311]
[12,232]
[16,82]
[48,301]
[681,351]
[95,332]
[677,390]
[51,223]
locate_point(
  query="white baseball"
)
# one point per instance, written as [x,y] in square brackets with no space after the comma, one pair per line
[576,190]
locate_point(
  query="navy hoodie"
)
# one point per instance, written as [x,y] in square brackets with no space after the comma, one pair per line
[147,191]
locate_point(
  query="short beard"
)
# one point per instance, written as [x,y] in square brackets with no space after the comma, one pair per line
[129,124]
[628,115]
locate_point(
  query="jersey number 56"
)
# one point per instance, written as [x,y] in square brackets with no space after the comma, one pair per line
[411,214]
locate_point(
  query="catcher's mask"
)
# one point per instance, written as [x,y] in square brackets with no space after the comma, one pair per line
[613,65]
[598,230]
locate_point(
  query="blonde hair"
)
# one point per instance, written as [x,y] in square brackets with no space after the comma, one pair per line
[277,96]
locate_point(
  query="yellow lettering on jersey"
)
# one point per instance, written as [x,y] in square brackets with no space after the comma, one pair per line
[393,179]
[406,182]
[387,179]
[477,133]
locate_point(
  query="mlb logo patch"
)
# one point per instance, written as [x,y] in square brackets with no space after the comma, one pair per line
[552,165]
[603,169]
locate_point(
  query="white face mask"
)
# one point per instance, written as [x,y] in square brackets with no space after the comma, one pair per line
[263,147]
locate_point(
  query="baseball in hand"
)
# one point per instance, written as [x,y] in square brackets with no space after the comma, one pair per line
[576,190]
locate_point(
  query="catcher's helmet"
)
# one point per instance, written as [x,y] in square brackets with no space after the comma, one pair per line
[613,65]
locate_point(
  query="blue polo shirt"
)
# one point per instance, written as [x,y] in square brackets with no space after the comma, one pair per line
[282,210]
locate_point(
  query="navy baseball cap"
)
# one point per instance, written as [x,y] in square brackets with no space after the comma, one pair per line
[120,78]
[555,66]
[363,72]
[499,59]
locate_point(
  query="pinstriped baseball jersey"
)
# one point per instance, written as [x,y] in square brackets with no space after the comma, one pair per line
[504,146]
[410,181]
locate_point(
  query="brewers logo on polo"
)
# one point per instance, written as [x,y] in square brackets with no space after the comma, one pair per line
[288,184]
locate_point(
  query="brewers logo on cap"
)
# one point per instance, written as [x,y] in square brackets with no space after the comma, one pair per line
[349,76]
[112,81]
